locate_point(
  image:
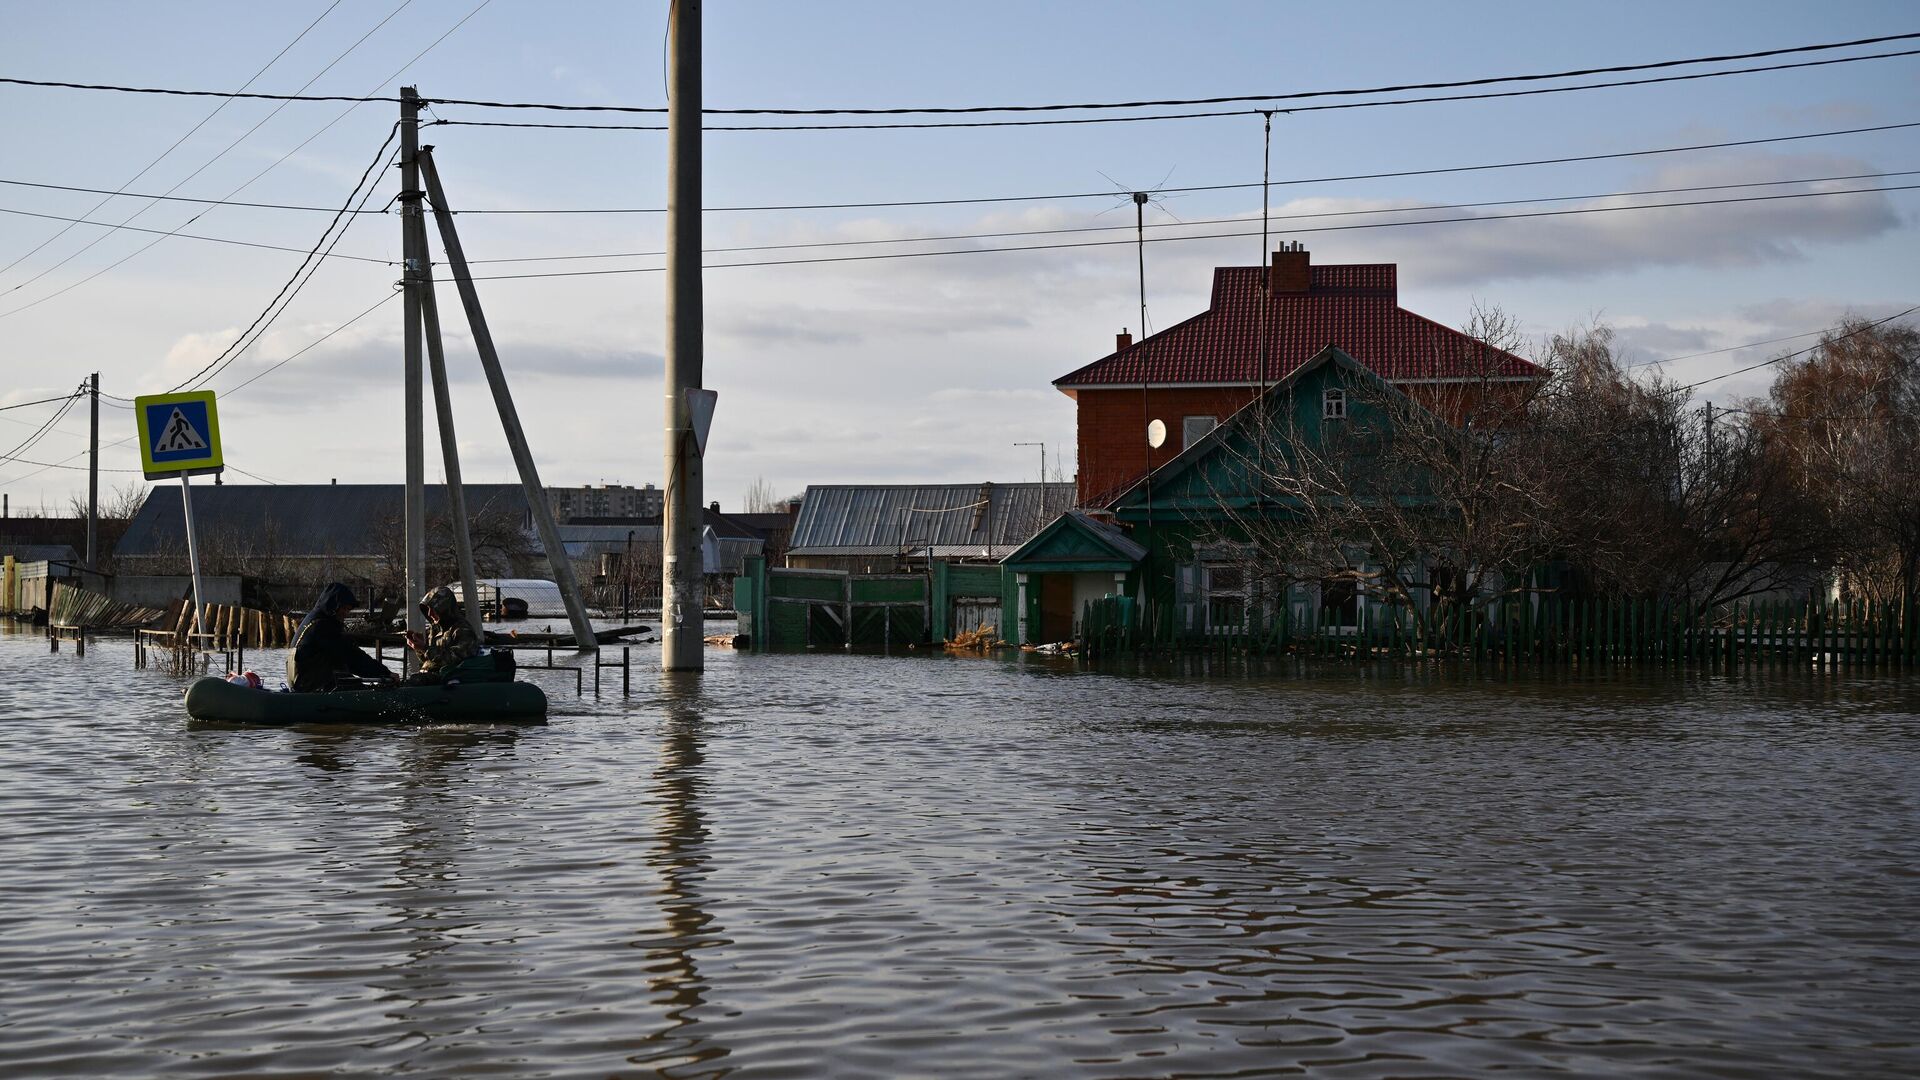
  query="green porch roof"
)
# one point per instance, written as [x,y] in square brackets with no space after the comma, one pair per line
[1075,543]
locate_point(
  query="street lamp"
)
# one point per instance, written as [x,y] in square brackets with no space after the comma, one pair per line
[1043,457]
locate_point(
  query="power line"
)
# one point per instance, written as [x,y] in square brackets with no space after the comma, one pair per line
[168,198]
[1190,189]
[1188,116]
[276,163]
[1059,107]
[42,401]
[284,360]
[291,289]
[164,233]
[224,151]
[1213,236]
[1791,355]
[41,432]
[61,464]
[1193,222]
[176,143]
[45,465]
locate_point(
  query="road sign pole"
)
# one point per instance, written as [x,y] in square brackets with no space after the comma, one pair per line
[193,548]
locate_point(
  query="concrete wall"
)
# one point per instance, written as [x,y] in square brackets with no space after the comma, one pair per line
[158,590]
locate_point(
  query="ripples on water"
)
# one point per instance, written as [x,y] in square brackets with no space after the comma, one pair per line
[866,866]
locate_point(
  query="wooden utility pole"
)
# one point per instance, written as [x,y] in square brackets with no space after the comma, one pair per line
[413,255]
[93,477]
[535,492]
[683,588]
[459,523]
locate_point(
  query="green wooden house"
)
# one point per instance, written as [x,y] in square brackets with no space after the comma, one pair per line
[1175,541]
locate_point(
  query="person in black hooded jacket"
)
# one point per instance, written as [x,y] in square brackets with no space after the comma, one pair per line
[321,652]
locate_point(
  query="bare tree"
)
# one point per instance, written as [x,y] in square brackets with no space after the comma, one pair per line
[1652,498]
[1426,502]
[760,498]
[1843,425]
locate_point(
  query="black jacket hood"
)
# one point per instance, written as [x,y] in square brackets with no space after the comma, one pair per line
[332,597]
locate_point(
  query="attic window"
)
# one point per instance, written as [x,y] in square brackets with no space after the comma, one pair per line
[1333,404]
[1195,428]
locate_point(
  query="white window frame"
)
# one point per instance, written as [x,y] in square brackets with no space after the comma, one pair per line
[1333,403]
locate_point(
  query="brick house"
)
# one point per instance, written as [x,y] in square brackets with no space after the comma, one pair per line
[1196,373]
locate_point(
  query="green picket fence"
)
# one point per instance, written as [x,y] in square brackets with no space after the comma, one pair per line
[1541,630]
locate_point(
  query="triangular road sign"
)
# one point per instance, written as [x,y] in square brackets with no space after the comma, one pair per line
[178,434]
[700,404]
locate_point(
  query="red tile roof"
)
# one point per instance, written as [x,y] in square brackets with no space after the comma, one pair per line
[1352,307]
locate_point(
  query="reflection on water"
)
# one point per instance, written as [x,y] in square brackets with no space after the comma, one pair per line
[879,866]
[680,1048]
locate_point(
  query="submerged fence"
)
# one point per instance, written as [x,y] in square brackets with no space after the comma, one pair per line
[1540,630]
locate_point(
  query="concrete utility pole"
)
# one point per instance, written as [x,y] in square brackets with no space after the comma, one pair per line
[449,445]
[509,416]
[682,588]
[413,252]
[93,477]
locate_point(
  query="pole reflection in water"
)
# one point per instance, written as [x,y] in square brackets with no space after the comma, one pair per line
[680,857]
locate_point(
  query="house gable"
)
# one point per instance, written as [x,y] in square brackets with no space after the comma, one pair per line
[1218,471]
[1076,543]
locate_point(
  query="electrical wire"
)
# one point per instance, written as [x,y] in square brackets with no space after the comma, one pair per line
[1193,188]
[45,465]
[41,432]
[290,289]
[224,151]
[255,178]
[62,463]
[1060,107]
[42,401]
[284,360]
[1212,236]
[164,233]
[253,476]
[1801,352]
[176,143]
[167,198]
[923,125]
[1193,222]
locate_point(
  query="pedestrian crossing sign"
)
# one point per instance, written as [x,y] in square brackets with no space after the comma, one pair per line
[179,434]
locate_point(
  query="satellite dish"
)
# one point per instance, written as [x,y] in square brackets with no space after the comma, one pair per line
[1156,433]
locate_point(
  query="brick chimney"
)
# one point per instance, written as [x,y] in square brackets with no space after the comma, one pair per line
[1121,340]
[1292,269]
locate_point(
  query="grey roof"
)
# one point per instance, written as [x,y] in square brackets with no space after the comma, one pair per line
[26,553]
[876,519]
[344,520]
[1119,541]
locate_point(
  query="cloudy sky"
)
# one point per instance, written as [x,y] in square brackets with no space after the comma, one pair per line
[926,368]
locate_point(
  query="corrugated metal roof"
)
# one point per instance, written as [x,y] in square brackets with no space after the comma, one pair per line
[1351,307]
[880,519]
[342,520]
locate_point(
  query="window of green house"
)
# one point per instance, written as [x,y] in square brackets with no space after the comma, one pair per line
[1333,403]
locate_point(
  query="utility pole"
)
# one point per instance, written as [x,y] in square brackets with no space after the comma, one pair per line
[459,524]
[536,492]
[93,477]
[682,593]
[413,254]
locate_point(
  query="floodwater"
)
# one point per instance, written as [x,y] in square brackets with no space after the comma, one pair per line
[912,865]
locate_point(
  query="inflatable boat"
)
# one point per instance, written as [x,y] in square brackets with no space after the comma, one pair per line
[450,703]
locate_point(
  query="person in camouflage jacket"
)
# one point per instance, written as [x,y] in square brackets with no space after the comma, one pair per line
[448,639]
